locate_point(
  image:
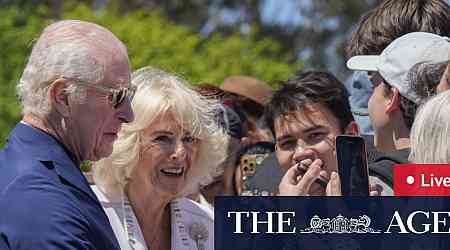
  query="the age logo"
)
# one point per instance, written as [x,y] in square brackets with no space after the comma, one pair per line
[340,224]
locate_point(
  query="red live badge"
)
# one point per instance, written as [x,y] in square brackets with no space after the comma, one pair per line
[422,180]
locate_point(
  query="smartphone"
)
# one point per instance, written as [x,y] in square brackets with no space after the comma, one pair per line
[353,171]
[268,177]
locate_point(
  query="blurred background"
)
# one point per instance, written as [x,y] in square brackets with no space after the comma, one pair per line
[201,40]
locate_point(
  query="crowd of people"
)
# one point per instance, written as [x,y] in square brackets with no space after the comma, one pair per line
[163,149]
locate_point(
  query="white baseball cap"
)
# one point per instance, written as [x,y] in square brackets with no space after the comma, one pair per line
[401,55]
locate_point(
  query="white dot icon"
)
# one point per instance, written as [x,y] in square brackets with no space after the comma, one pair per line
[410,180]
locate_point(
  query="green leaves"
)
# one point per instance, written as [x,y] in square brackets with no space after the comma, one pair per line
[86,166]
[17,31]
[151,38]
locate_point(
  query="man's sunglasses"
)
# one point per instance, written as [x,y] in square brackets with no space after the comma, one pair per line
[116,96]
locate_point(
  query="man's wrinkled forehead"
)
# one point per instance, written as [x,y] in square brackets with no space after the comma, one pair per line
[91,35]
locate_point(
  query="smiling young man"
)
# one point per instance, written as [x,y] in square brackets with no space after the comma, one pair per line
[306,115]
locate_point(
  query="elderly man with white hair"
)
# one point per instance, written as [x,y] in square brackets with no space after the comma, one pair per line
[75,94]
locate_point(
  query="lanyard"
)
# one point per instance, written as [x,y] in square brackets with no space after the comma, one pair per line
[180,228]
[182,235]
[129,222]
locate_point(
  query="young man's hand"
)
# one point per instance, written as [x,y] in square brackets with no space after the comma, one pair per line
[302,178]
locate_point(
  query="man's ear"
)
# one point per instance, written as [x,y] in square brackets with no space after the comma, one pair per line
[352,128]
[394,102]
[58,97]
[444,84]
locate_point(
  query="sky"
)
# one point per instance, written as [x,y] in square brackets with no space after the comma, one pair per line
[283,12]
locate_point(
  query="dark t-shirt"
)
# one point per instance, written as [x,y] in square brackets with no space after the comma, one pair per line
[383,165]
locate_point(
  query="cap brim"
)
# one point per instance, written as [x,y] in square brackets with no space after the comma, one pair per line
[365,63]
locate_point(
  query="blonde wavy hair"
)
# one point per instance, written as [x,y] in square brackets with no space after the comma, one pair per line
[159,93]
[430,141]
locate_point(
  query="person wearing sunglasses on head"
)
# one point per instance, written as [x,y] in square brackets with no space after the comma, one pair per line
[75,94]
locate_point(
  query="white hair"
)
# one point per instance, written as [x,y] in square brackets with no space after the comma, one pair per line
[69,48]
[430,140]
[159,93]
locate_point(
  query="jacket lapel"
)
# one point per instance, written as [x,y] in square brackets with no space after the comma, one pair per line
[47,148]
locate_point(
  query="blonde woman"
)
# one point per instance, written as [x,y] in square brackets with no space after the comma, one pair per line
[172,145]
[430,141]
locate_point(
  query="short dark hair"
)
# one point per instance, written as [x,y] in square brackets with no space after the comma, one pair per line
[409,110]
[424,77]
[394,18]
[248,106]
[310,87]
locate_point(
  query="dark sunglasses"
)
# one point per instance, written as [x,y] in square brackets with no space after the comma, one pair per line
[116,96]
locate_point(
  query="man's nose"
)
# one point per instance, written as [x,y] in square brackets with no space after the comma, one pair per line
[302,152]
[126,113]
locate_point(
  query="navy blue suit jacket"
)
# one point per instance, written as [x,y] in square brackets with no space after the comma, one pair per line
[45,201]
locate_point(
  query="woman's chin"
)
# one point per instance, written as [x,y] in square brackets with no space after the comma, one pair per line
[172,187]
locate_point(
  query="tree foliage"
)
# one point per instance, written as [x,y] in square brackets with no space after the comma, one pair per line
[317,36]
[151,38]
[17,29]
